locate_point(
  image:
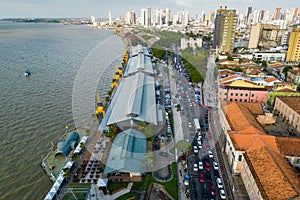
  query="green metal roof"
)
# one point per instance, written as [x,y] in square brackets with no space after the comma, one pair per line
[127,153]
[68,144]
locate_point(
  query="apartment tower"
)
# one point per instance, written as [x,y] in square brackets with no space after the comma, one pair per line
[294,46]
[225,26]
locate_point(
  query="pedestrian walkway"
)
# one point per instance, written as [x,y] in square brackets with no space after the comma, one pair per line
[96,194]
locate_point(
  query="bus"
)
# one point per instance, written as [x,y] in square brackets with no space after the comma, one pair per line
[197,125]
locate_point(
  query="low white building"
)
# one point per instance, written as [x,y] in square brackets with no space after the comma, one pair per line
[270,56]
[191,42]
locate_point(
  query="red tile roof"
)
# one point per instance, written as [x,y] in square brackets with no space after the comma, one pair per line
[273,174]
[241,117]
[272,79]
[223,80]
[288,146]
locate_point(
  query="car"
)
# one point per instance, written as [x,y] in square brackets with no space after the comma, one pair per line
[210,154]
[206,159]
[222,194]
[219,183]
[215,165]
[201,178]
[191,104]
[216,172]
[195,149]
[195,167]
[207,166]
[212,190]
[208,176]
[200,165]
[204,193]
[190,124]
[199,143]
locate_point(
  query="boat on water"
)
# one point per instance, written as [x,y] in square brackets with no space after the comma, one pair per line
[27,73]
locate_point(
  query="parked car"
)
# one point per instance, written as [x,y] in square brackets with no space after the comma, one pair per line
[208,176]
[195,167]
[207,166]
[201,178]
[222,194]
[210,154]
[195,149]
[201,165]
[219,183]
[215,165]
[212,190]
[204,193]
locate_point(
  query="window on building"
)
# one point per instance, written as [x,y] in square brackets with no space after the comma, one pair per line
[251,100]
[246,95]
[252,95]
[231,94]
[230,100]
[240,157]
[298,161]
[245,100]
[241,100]
[235,100]
[241,94]
[236,94]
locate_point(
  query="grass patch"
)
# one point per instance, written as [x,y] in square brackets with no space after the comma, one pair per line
[112,186]
[146,37]
[79,196]
[171,186]
[129,195]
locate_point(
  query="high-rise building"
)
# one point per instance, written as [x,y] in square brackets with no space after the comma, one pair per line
[225,26]
[296,12]
[254,35]
[168,16]
[294,46]
[132,18]
[277,14]
[109,18]
[127,17]
[148,16]
[249,12]
[143,17]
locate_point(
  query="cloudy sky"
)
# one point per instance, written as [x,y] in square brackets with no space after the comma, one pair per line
[99,8]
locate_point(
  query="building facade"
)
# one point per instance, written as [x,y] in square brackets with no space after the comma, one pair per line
[225,26]
[289,109]
[294,46]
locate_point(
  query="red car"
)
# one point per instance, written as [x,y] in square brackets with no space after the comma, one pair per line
[202,180]
[207,166]
[212,190]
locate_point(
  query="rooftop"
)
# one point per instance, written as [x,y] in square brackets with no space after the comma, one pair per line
[140,62]
[292,102]
[288,146]
[241,117]
[273,174]
[134,100]
[248,142]
[127,153]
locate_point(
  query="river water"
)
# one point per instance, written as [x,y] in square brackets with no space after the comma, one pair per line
[34,111]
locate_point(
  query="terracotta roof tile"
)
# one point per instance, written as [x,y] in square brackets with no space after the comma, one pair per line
[286,90]
[273,173]
[223,80]
[249,142]
[272,79]
[241,117]
[292,102]
[288,146]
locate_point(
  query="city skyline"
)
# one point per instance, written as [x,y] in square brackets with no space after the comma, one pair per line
[100,9]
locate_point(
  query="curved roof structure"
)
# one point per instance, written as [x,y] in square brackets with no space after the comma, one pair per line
[68,144]
[127,153]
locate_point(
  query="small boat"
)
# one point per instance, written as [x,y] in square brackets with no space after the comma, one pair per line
[27,73]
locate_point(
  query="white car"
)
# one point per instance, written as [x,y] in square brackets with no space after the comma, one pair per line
[199,144]
[190,124]
[210,154]
[195,167]
[219,183]
[195,149]
[200,165]
[222,194]
[215,164]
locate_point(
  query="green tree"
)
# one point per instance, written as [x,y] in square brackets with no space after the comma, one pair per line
[112,132]
[230,58]
[264,63]
[217,60]
[149,131]
[183,146]
[67,172]
[142,125]
[286,69]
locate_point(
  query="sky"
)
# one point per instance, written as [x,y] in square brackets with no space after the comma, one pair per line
[100,8]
